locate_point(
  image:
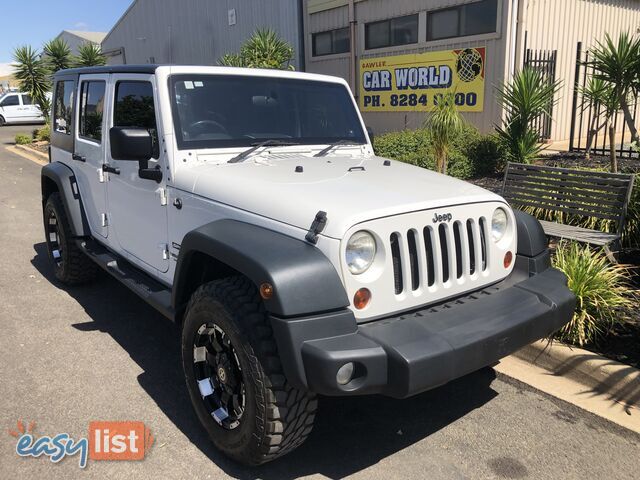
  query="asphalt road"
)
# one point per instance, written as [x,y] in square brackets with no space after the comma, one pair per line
[72,355]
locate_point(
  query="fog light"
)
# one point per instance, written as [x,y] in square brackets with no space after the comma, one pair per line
[361,298]
[508,258]
[345,373]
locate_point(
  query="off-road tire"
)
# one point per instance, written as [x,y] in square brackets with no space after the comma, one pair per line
[277,417]
[74,267]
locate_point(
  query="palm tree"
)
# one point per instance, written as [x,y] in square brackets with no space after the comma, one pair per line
[265,49]
[602,97]
[90,55]
[57,55]
[444,123]
[231,60]
[33,76]
[524,98]
[619,65]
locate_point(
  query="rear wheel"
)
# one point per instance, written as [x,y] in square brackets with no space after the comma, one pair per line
[234,376]
[2,121]
[70,264]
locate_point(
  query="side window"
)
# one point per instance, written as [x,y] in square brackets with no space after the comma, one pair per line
[26,99]
[63,107]
[134,107]
[10,101]
[91,108]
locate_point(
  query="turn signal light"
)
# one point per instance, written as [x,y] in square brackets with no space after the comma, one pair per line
[266,291]
[508,258]
[361,298]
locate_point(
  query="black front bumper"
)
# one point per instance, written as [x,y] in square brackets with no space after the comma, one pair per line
[414,352]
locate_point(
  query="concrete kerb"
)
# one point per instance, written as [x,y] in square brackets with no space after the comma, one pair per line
[617,381]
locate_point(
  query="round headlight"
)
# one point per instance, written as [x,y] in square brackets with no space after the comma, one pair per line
[499,224]
[361,250]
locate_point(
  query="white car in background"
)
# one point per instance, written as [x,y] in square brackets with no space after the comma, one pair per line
[16,107]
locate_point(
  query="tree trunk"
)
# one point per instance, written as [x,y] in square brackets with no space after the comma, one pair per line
[628,118]
[612,148]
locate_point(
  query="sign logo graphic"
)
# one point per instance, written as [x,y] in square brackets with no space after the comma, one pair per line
[106,441]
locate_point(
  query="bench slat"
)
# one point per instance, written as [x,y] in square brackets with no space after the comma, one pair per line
[570,232]
[591,203]
[582,173]
[556,208]
[593,183]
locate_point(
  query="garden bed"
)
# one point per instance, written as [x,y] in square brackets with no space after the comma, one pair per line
[623,341]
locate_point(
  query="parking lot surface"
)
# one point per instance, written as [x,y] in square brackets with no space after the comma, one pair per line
[69,356]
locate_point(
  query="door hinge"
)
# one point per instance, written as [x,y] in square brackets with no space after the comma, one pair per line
[165,251]
[104,220]
[162,192]
[102,175]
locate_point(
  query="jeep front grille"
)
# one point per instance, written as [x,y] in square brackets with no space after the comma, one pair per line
[433,256]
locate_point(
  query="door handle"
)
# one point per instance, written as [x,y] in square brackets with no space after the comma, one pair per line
[109,169]
[79,158]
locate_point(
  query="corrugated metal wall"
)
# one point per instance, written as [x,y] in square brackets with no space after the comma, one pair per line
[561,24]
[372,10]
[198,31]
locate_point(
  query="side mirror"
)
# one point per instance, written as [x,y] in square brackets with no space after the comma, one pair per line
[370,133]
[129,143]
[135,144]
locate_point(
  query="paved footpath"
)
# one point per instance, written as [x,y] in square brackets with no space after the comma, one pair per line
[72,355]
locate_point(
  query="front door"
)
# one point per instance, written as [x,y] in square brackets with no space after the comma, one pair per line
[89,150]
[137,206]
[11,109]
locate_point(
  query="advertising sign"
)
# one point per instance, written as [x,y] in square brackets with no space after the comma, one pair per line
[405,83]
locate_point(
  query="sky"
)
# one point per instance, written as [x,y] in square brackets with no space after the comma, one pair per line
[34,22]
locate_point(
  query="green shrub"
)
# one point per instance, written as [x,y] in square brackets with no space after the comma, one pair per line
[602,290]
[471,153]
[43,134]
[23,139]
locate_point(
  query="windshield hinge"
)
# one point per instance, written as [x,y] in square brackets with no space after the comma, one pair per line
[316,227]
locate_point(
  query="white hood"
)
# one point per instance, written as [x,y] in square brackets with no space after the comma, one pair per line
[271,187]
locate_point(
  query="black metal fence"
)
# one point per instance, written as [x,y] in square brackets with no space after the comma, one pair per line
[543,61]
[587,118]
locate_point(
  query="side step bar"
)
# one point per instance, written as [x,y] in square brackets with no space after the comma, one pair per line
[150,290]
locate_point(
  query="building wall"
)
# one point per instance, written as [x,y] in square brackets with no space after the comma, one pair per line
[560,25]
[197,31]
[497,45]
[72,40]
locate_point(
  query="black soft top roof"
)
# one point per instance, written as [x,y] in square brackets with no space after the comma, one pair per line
[149,68]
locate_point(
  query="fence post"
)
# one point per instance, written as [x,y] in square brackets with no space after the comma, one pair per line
[576,87]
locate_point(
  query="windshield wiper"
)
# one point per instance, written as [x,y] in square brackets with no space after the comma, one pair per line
[255,146]
[324,151]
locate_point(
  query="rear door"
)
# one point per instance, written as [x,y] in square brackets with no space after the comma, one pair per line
[30,109]
[11,109]
[137,206]
[89,149]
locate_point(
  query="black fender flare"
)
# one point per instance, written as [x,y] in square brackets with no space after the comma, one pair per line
[66,183]
[533,252]
[304,280]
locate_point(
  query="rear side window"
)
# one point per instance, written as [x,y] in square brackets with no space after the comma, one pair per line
[134,107]
[26,99]
[91,109]
[62,120]
[10,101]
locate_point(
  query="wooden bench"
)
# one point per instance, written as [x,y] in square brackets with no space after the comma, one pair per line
[572,196]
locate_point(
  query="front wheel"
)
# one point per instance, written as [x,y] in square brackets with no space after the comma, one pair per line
[234,376]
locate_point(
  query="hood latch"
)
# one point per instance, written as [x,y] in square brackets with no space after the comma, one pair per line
[316,227]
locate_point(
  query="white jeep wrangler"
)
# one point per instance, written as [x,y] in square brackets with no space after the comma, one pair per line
[249,206]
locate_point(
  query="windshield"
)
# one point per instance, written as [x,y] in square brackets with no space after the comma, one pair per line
[213,111]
